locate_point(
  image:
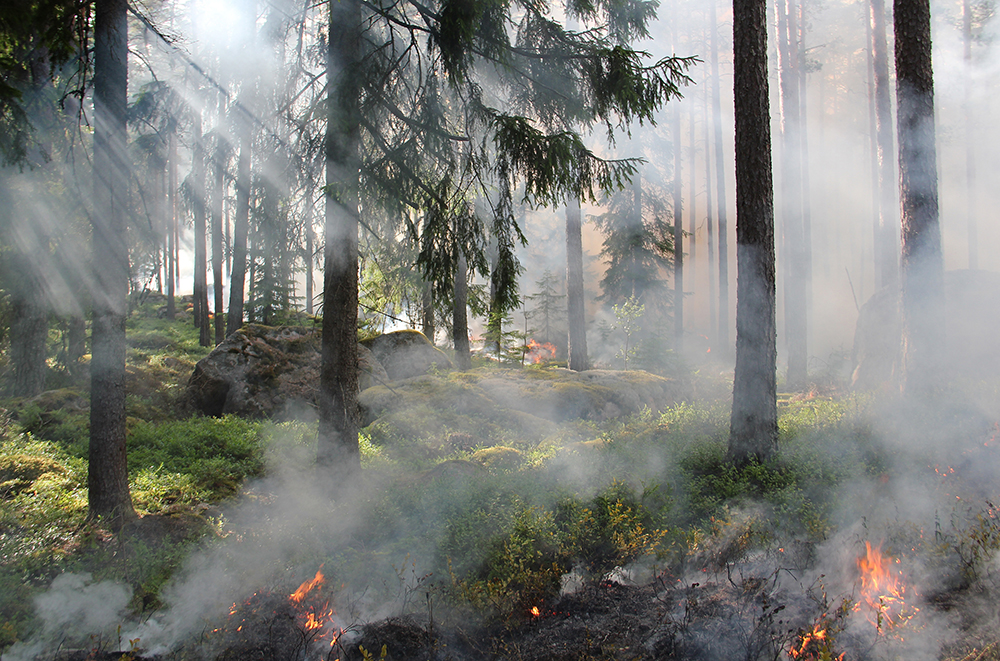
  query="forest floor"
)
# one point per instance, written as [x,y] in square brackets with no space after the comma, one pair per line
[478,533]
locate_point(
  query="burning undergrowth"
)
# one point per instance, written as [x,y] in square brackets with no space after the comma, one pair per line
[636,546]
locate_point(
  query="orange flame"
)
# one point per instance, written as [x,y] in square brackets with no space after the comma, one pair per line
[307,587]
[539,352]
[535,612]
[883,590]
[811,645]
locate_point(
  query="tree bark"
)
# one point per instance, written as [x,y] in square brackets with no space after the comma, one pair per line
[754,423]
[171,237]
[576,312]
[107,476]
[200,285]
[427,311]
[970,145]
[460,319]
[310,252]
[678,230]
[241,224]
[720,185]
[796,325]
[218,194]
[886,251]
[29,329]
[710,229]
[337,447]
[922,263]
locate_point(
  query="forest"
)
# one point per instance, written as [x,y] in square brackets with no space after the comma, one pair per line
[499,329]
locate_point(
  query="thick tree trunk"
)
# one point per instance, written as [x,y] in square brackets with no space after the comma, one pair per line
[720,185]
[460,319]
[576,313]
[337,447]
[796,326]
[754,423]
[887,248]
[922,263]
[107,476]
[29,330]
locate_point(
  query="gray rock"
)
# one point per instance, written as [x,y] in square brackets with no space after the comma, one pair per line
[407,353]
[268,372]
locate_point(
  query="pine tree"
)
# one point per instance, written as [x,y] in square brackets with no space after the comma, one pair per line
[107,479]
[753,433]
[922,262]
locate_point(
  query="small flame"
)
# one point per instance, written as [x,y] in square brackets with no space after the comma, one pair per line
[535,612]
[539,352]
[813,645]
[307,587]
[883,590]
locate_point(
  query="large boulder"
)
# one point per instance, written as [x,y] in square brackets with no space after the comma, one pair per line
[407,353]
[268,372]
[971,317]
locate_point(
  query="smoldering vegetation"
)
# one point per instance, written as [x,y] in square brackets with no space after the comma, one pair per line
[874,535]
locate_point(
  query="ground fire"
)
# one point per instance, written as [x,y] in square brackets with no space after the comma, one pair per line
[883,591]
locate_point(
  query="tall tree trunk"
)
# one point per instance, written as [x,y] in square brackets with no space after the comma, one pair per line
[200,286]
[886,251]
[171,224]
[29,328]
[922,263]
[241,223]
[796,327]
[806,198]
[107,476]
[460,319]
[692,196]
[753,430]
[218,194]
[720,186]
[873,155]
[25,240]
[576,312]
[970,137]
[678,229]
[337,447]
[709,228]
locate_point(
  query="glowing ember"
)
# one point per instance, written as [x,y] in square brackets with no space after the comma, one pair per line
[539,352]
[813,645]
[883,590]
[307,587]
[535,611]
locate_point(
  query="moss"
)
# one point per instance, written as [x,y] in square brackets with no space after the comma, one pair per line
[19,471]
[499,459]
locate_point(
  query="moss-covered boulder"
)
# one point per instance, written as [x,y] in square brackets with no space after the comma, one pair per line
[268,372]
[407,353]
[441,415]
